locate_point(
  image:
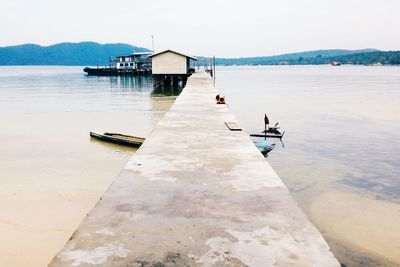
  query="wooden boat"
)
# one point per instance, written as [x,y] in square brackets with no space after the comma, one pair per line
[117,138]
[268,135]
[270,132]
[101,71]
[115,72]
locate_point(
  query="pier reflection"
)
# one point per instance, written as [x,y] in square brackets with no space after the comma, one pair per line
[163,96]
[167,90]
[144,84]
[132,83]
[148,96]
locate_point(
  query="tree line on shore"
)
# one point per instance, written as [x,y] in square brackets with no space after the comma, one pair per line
[92,54]
[364,58]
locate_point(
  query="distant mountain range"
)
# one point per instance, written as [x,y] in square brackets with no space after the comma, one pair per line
[92,54]
[364,56]
[74,54]
[277,59]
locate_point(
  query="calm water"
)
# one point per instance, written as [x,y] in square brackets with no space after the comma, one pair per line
[340,156]
[51,172]
[348,116]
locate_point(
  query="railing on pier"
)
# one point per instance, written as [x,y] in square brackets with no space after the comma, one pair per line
[209,66]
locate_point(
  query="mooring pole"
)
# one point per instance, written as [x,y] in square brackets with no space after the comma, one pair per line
[266,122]
[152,42]
[214,69]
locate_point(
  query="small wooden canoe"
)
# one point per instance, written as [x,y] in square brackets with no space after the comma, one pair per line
[268,135]
[117,138]
[272,132]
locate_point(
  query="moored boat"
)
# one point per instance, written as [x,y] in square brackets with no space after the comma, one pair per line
[117,138]
[101,71]
[269,131]
[134,64]
[269,135]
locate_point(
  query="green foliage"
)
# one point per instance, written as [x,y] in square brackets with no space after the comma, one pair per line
[378,57]
[70,54]
[293,58]
[362,57]
[92,54]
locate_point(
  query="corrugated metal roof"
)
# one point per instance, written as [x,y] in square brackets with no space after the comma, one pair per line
[136,54]
[142,53]
[168,50]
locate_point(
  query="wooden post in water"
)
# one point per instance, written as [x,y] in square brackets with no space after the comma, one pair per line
[214,70]
[266,122]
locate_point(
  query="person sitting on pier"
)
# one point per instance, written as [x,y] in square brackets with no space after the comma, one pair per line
[220,99]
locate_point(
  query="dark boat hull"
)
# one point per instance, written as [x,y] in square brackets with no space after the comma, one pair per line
[268,135]
[115,72]
[266,151]
[101,71]
[121,139]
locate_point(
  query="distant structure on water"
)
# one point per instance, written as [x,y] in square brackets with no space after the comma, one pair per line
[166,67]
[171,67]
[135,64]
[136,61]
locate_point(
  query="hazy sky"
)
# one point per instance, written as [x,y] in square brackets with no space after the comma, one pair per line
[206,27]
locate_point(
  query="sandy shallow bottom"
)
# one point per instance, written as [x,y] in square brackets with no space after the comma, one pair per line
[51,179]
[51,172]
[33,235]
[358,224]
[35,224]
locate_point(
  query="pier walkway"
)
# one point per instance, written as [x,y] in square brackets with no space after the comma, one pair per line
[196,194]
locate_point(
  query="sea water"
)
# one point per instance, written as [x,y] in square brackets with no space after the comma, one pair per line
[339,155]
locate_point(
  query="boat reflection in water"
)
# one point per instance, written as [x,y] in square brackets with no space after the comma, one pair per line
[113,147]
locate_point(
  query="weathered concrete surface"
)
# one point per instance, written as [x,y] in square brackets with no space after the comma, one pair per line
[196,194]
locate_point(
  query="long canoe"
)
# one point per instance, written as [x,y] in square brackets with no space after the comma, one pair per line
[117,138]
[269,135]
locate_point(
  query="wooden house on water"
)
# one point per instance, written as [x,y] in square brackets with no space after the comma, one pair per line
[166,67]
[171,67]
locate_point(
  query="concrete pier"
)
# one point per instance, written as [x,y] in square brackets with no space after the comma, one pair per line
[196,194]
